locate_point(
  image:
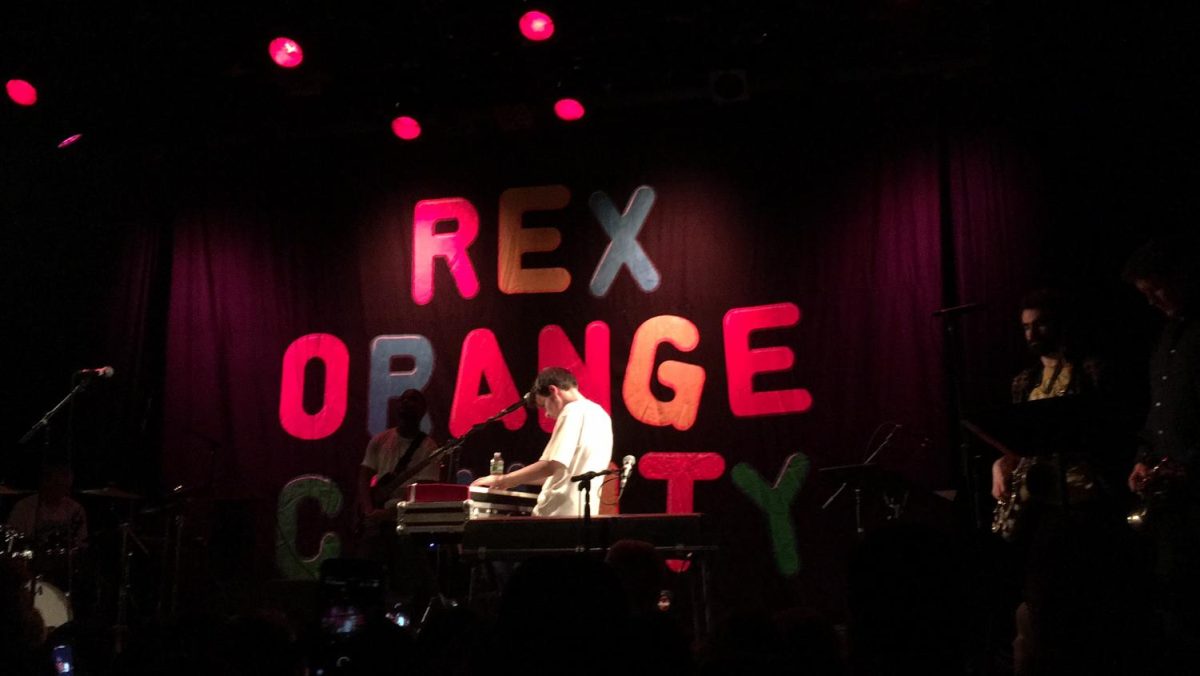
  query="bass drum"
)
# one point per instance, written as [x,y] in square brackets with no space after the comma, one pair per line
[52,604]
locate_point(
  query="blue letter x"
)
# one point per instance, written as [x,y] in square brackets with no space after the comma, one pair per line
[624,249]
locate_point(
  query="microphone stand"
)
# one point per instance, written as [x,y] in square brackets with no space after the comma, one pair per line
[585,484]
[80,385]
[454,444]
[953,358]
[45,421]
[451,446]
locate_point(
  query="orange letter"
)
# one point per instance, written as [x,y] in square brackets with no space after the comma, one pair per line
[515,240]
[687,380]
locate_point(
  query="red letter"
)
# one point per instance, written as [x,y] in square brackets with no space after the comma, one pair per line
[555,349]
[681,471]
[741,362]
[331,350]
[481,358]
[451,246]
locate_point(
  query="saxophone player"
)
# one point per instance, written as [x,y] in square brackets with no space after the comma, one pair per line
[1165,272]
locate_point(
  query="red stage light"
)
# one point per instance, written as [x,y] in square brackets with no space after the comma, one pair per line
[536,26]
[406,128]
[568,109]
[21,92]
[286,52]
[70,140]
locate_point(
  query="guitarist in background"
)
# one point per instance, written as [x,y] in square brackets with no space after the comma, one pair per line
[1030,513]
[391,457]
[1018,484]
[381,477]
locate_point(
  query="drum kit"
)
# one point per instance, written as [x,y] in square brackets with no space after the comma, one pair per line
[53,562]
[50,601]
[65,571]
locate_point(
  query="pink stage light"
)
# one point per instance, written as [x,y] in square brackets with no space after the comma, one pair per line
[69,141]
[536,26]
[286,52]
[568,110]
[21,92]
[406,127]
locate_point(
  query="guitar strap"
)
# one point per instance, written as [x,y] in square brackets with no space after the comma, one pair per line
[402,463]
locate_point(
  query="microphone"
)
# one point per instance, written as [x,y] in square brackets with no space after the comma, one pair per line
[102,372]
[627,464]
[958,309]
[523,401]
[588,476]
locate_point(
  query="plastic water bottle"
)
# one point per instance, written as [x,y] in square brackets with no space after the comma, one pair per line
[497,467]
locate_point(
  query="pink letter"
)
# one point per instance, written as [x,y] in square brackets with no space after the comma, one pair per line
[555,349]
[452,246]
[741,362]
[481,358]
[295,420]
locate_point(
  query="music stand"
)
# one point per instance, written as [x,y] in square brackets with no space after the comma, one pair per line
[853,475]
[1042,428]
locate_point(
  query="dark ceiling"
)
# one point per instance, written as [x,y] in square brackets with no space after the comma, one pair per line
[156,72]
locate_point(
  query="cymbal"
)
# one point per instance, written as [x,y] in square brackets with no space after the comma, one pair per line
[6,492]
[111,491]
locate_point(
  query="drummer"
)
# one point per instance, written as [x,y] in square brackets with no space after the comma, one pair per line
[50,518]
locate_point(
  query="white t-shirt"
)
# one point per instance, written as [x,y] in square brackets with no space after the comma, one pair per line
[581,442]
[50,526]
[386,448]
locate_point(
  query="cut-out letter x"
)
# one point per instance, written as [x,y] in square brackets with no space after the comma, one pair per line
[623,250]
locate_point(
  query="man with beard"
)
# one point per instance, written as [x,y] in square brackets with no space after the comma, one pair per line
[390,454]
[1060,558]
[389,465]
[1059,371]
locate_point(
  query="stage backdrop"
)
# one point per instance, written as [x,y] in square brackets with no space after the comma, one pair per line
[750,306]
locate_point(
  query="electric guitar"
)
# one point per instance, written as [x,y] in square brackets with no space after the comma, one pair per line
[386,485]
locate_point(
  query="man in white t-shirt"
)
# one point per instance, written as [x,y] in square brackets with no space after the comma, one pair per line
[581,442]
[390,455]
[394,451]
[51,518]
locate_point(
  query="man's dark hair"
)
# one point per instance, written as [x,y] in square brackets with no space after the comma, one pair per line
[556,376]
[1058,310]
[415,394]
[1171,258]
[53,468]
[1052,302]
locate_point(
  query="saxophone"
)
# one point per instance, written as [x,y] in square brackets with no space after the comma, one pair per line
[1080,487]
[1156,488]
[1008,509]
